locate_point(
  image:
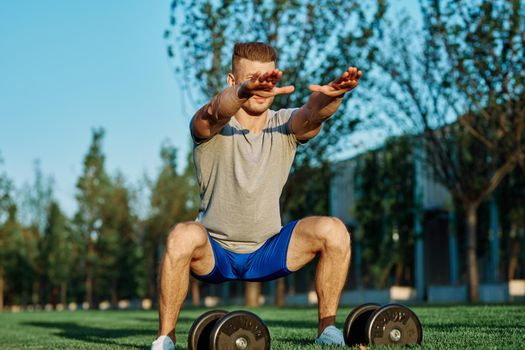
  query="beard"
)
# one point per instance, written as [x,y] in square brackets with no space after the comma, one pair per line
[256,106]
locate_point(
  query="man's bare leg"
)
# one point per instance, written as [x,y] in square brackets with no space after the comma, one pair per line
[328,237]
[187,247]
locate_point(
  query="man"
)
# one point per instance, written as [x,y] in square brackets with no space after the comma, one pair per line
[243,152]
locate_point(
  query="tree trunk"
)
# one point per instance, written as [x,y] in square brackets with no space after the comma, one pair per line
[399,273]
[89,273]
[514,247]
[63,294]
[280,292]
[24,297]
[252,293]
[54,297]
[35,293]
[114,294]
[152,278]
[523,251]
[42,291]
[2,285]
[195,292]
[472,258]
[89,289]
[291,283]
[513,264]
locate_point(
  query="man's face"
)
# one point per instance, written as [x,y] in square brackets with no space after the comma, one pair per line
[244,70]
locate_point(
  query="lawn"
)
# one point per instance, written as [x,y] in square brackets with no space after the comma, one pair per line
[445,327]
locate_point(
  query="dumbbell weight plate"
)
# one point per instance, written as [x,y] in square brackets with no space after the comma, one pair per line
[394,324]
[199,335]
[240,330]
[355,324]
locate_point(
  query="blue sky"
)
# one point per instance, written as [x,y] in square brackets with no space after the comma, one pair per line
[69,66]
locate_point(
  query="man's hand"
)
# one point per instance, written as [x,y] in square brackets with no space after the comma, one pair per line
[322,104]
[264,85]
[346,82]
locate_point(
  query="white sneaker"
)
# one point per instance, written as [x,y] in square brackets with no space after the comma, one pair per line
[163,343]
[331,336]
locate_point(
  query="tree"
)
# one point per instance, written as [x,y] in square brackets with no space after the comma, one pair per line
[57,253]
[6,193]
[93,189]
[119,255]
[8,241]
[36,199]
[316,40]
[15,265]
[18,248]
[510,198]
[384,210]
[459,84]
[6,201]
[172,200]
[108,227]
[34,203]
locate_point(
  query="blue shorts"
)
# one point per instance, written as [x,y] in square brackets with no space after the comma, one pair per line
[266,263]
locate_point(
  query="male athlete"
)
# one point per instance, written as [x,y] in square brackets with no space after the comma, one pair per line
[243,152]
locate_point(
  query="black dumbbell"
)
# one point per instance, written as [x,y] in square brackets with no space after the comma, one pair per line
[355,324]
[394,324]
[199,335]
[238,330]
[391,324]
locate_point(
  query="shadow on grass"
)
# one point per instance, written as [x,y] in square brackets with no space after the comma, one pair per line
[93,334]
[147,319]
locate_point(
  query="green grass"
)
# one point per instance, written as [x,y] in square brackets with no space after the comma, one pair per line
[445,327]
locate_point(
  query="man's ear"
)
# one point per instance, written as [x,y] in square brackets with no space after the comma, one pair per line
[231,79]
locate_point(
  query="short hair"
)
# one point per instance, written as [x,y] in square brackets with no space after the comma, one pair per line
[253,51]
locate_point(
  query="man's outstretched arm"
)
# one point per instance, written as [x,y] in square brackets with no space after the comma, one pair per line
[213,116]
[322,104]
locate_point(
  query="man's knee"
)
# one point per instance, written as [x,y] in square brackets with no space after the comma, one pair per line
[334,234]
[185,238]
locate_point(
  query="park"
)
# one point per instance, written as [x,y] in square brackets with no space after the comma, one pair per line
[263,174]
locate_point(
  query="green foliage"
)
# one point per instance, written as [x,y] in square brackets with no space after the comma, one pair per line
[171,196]
[35,200]
[119,252]
[57,246]
[369,212]
[108,227]
[93,190]
[384,210]
[57,253]
[510,197]
[18,257]
[174,199]
[6,195]
[10,238]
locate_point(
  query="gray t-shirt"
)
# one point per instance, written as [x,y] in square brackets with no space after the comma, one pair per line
[241,176]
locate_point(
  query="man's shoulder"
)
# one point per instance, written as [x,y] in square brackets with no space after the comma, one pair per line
[283,115]
[283,112]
